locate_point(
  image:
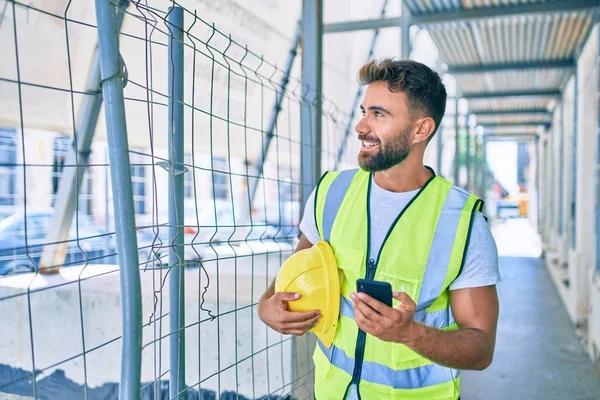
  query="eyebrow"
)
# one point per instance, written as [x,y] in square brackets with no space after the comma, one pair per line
[376,108]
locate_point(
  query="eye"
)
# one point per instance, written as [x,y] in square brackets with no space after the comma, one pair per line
[378,114]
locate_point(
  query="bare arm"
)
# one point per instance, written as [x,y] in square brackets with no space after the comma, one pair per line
[470,347]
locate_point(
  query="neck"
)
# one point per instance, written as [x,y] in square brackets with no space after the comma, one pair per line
[409,175]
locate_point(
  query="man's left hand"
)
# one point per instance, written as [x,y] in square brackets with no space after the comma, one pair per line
[384,322]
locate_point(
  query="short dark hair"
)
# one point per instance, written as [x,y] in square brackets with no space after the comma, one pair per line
[423,86]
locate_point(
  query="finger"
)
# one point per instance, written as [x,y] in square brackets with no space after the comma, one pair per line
[363,322]
[306,325]
[405,301]
[286,296]
[296,332]
[358,301]
[367,311]
[374,304]
[292,316]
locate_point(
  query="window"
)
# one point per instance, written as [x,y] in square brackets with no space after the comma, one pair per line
[138,182]
[220,179]
[8,166]
[62,147]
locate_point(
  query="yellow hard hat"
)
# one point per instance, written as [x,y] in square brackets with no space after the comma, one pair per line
[313,273]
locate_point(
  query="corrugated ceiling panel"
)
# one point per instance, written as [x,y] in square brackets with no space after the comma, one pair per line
[512,80]
[513,119]
[511,39]
[519,103]
[429,6]
[512,129]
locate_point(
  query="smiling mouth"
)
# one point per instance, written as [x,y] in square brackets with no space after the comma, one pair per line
[368,145]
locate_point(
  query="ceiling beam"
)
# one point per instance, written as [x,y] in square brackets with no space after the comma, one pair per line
[504,124]
[522,66]
[515,138]
[517,93]
[509,134]
[362,25]
[505,11]
[520,111]
[465,15]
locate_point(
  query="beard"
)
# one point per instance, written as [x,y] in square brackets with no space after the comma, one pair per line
[388,154]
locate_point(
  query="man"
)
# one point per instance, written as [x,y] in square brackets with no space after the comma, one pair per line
[394,220]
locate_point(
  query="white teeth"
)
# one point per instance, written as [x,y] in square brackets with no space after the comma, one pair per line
[367,144]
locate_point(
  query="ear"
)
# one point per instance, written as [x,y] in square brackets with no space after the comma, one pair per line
[424,129]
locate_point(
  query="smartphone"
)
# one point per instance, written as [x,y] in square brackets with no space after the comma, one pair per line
[381,291]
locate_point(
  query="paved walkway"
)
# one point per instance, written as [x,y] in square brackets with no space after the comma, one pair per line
[537,353]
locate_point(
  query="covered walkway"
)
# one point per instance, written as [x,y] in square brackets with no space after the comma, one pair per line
[538,355]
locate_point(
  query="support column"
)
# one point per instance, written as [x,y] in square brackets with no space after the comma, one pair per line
[310,137]
[468,132]
[312,42]
[405,32]
[456,145]
[440,148]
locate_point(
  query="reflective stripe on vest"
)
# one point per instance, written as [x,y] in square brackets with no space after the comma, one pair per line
[427,375]
[441,250]
[335,196]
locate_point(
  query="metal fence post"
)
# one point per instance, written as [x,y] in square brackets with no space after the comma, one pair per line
[176,251]
[112,71]
[312,40]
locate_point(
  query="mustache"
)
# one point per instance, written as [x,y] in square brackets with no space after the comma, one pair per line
[369,139]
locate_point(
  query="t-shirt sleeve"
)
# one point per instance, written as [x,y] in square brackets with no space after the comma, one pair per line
[481,261]
[308,225]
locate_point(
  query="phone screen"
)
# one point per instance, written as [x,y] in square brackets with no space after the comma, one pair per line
[381,291]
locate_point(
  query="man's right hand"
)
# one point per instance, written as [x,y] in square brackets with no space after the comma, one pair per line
[273,311]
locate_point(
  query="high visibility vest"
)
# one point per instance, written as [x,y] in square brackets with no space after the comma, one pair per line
[421,255]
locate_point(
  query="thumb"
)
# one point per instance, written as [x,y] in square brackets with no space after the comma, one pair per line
[405,301]
[287,296]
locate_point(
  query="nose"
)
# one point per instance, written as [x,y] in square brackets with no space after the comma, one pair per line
[362,127]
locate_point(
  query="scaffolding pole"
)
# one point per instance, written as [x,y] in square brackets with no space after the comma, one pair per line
[55,252]
[258,171]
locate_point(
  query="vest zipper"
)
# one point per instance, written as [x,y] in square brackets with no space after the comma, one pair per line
[359,351]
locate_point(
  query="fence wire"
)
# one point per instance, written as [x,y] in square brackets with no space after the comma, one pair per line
[61,325]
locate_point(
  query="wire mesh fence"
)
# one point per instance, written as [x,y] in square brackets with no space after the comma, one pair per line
[235,197]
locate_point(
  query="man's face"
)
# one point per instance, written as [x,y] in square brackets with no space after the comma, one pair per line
[385,128]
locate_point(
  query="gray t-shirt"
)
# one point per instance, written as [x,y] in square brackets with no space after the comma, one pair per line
[481,261]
